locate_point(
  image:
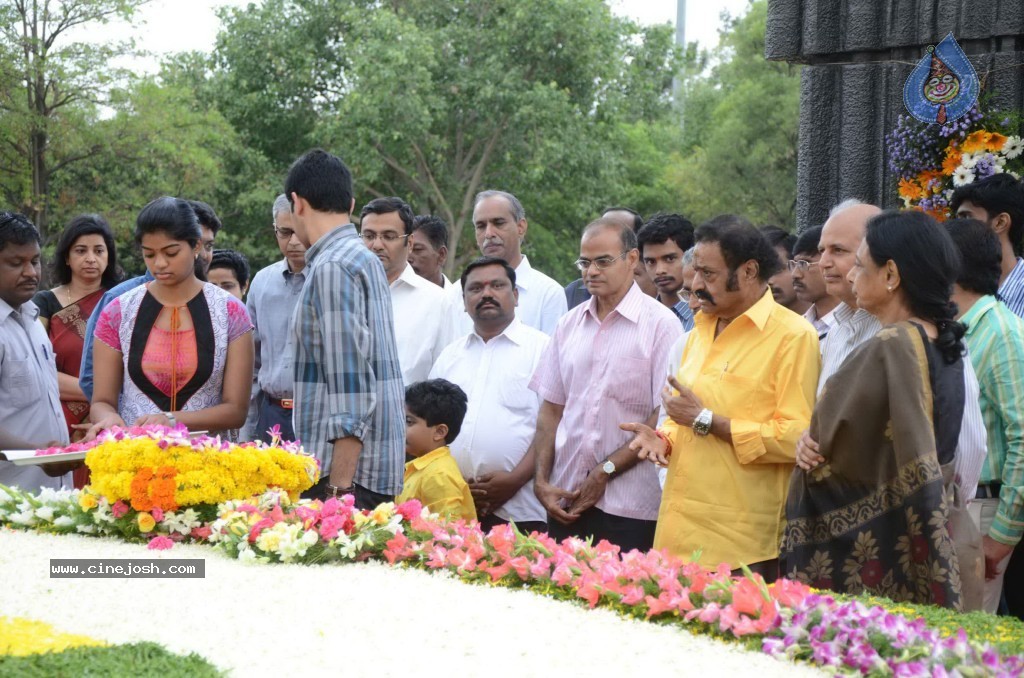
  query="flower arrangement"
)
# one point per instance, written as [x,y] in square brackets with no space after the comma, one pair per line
[930,160]
[786,618]
[156,467]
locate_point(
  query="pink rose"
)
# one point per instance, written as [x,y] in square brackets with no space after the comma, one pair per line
[160,543]
[119,509]
[158,514]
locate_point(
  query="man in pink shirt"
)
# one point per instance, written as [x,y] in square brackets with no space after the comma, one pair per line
[605,365]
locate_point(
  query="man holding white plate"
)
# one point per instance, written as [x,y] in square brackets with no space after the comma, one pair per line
[30,411]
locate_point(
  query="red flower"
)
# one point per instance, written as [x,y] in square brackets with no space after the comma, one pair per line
[871,573]
[746,597]
[203,532]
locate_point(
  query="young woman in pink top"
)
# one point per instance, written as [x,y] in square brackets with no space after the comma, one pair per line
[175,350]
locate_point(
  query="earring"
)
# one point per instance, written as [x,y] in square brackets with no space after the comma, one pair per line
[889,288]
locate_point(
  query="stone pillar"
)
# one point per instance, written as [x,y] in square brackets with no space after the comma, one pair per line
[857,55]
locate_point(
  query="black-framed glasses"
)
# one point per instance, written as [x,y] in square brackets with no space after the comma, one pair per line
[800,265]
[601,262]
[283,233]
[387,236]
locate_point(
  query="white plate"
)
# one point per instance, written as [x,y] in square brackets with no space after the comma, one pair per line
[29,458]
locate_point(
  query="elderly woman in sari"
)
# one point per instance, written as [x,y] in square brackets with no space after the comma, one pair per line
[868,512]
[176,350]
[85,265]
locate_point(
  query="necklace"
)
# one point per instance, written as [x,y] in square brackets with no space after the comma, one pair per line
[67,293]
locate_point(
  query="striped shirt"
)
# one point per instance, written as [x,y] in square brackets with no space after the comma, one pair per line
[851,327]
[1012,289]
[995,338]
[685,315]
[607,372]
[347,377]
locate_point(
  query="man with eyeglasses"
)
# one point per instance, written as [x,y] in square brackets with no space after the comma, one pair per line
[605,365]
[209,225]
[808,283]
[421,308]
[781,284]
[273,294]
[499,222]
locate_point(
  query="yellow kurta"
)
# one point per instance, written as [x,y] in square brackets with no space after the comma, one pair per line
[435,480]
[728,501]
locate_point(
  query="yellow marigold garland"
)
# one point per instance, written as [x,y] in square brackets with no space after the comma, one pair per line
[204,474]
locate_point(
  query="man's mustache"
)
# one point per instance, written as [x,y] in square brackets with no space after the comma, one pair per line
[704,296]
[487,301]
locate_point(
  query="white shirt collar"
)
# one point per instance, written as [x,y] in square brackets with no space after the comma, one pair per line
[28,310]
[411,278]
[524,273]
[514,333]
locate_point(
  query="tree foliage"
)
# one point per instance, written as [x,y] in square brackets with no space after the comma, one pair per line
[561,102]
[740,130]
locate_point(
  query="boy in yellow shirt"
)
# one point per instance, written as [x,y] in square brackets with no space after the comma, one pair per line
[434,411]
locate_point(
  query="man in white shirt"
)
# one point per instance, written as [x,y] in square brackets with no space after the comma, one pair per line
[493,364]
[428,249]
[499,222]
[421,310]
[31,416]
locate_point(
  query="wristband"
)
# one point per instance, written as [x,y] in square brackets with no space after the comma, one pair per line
[338,492]
[668,443]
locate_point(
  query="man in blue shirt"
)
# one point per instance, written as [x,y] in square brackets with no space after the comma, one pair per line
[210,225]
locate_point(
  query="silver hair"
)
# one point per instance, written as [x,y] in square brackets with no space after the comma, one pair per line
[518,213]
[688,257]
[845,205]
[281,204]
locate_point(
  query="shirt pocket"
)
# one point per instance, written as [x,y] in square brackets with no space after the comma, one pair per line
[745,396]
[516,395]
[18,380]
[629,382]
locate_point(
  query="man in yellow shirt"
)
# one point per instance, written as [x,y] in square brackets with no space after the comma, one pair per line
[742,396]
[434,411]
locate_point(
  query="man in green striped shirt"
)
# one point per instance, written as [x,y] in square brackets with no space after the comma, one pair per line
[995,341]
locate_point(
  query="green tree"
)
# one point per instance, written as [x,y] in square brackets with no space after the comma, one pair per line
[51,90]
[738,150]
[435,101]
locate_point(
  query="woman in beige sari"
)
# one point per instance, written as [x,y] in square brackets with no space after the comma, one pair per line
[868,512]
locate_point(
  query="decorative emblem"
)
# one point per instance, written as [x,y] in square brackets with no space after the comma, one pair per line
[943,86]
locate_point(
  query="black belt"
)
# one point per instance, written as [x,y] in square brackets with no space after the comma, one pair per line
[988,491]
[283,403]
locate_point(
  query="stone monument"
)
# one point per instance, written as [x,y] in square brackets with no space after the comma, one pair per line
[857,55]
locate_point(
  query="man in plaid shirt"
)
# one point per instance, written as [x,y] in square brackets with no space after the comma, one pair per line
[349,398]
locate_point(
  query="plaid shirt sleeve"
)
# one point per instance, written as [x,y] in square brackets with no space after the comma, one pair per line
[1006,378]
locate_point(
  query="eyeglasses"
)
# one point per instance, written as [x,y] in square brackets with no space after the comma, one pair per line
[283,233]
[387,236]
[800,265]
[601,262]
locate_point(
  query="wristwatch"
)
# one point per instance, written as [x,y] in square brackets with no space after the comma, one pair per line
[608,467]
[702,424]
[170,418]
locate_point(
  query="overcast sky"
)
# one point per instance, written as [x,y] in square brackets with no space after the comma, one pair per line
[167,26]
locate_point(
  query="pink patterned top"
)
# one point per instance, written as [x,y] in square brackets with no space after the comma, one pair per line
[151,367]
[158,356]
